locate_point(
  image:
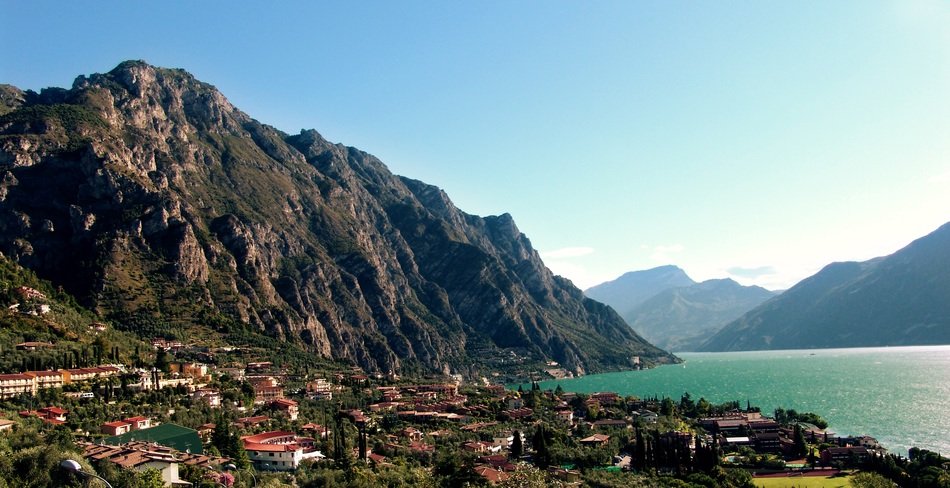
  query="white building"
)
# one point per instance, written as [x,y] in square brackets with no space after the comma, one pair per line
[279,450]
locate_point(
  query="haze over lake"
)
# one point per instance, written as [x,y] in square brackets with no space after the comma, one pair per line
[900,395]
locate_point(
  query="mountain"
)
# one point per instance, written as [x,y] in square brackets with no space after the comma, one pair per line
[897,300]
[627,292]
[145,194]
[680,319]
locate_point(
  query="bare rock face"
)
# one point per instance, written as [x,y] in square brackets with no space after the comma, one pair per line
[144,191]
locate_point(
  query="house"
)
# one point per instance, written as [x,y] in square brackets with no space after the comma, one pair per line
[503,440]
[595,440]
[315,429]
[648,416]
[520,413]
[567,415]
[245,422]
[497,461]
[211,396]
[49,418]
[606,398]
[568,475]
[191,370]
[491,474]
[477,447]
[448,390]
[320,389]
[279,450]
[848,456]
[767,442]
[411,433]
[376,459]
[47,379]
[79,374]
[15,384]
[288,407]
[6,424]
[267,394]
[53,413]
[205,431]
[139,458]
[138,423]
[115,428]
[234,373]
[611,423]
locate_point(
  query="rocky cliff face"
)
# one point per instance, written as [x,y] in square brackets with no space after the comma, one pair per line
[148,195]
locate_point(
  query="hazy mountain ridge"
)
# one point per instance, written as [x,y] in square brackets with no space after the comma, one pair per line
[897,300]
[146,194]
[631,289]
[671,310]
[680,319]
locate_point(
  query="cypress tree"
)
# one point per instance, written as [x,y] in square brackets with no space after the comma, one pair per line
[640,451]
[517,446]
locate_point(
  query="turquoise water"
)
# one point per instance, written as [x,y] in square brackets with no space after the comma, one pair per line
[899,395]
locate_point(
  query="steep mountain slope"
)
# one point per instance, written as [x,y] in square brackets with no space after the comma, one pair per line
[680,319]
[627,292]
[146,194]
[897,300]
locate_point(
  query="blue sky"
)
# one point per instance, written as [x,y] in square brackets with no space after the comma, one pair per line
[752,140]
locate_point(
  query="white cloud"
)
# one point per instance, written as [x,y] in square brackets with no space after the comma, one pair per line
[567,253]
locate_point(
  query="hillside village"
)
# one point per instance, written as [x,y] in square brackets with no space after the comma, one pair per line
[173,411]
[183,420]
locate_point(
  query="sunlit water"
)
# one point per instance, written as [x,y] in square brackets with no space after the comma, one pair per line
[899,395]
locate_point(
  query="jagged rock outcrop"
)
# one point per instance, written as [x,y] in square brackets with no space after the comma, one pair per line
[147,194]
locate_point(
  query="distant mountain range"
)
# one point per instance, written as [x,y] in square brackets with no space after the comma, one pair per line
[897,300]
[671,310]
[162,207]
[680,319]
[627,292]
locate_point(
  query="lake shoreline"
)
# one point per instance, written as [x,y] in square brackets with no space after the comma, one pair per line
[882,392]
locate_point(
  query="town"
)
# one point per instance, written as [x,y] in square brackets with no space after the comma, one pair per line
[196,424]
[82,399]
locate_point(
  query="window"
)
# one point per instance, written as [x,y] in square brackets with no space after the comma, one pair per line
[270,454]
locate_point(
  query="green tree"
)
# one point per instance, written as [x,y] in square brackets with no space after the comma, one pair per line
[529,477]
[517,445]
[228,443]
[870,480]
[801,447]
[161,361]
[542,448]
[667,407]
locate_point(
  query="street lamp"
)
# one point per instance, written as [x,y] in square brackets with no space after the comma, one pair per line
[73,465]
[232,467]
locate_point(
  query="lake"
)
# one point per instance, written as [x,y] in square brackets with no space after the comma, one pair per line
[899,395]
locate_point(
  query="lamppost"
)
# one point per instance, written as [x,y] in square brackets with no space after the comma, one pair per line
[72,465]
[232,467]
